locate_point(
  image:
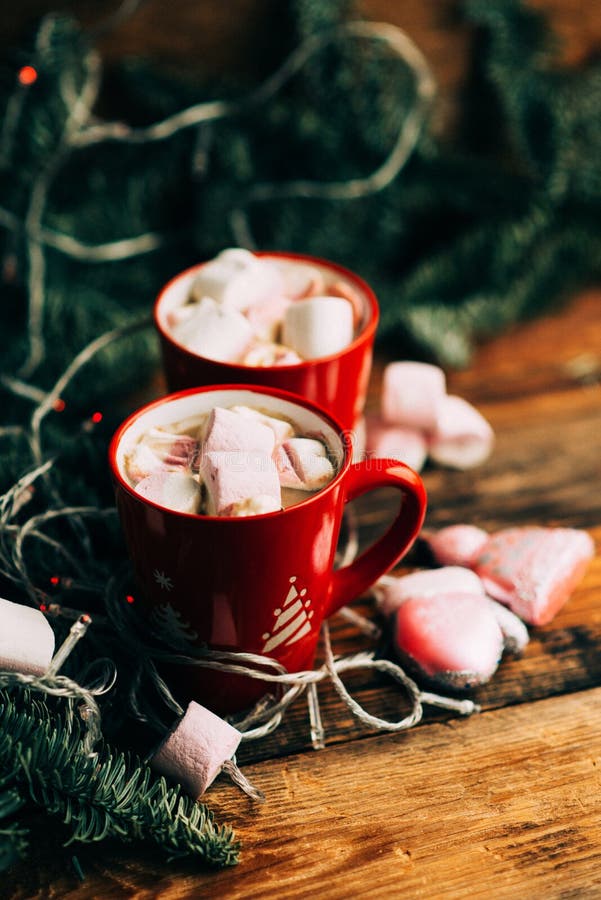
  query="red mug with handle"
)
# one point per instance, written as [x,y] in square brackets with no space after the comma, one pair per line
[261,584]
[337,382]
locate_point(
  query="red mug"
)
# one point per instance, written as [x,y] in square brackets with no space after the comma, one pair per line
[338,382]
[260,584]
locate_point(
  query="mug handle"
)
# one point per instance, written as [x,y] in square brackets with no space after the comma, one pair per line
[354,579]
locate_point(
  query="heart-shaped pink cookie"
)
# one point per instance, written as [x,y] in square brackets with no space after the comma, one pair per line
[534,570]
[453,639]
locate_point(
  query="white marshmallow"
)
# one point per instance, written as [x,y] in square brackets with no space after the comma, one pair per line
[26,639]
[281,429]
[462,438]
[264,354]
[215,331]
[396,442]
[309,462]
[412,394]
[175,490]
[237,280]
[393,592]
[254,506]
[319,326]
[235,476]
[194,752]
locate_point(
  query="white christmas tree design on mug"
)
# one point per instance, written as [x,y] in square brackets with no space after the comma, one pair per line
[293,619]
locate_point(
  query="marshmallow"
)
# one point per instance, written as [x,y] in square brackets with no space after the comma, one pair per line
[309,462]
[254,506]
[413,394]
[462,437]
[301,280]
[453,639]
[393,592]
[280,427]
[170,453]
[318,326]
[515,633]
[26,639]
[266,318]
[396,442]
[534,570]
[226,430]
[237,280]
[180,314]
[456,545]
[263,354]
[234,476]
[195,750]
[344,290]
[175,490]
[215,331]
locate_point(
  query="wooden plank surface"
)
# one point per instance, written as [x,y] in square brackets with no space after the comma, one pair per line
[504,804]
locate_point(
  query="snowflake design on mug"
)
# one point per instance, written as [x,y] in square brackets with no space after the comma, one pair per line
[164,582]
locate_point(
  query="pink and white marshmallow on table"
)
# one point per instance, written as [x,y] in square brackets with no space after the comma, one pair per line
[26,639]
[419,419]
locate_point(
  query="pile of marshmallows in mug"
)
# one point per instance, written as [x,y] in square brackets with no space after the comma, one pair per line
[242,309]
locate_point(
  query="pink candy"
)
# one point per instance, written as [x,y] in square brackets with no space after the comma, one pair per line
[194,752]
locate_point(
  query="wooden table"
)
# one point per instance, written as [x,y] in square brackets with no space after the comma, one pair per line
[504,804]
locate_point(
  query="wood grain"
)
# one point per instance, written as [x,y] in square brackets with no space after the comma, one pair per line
[502,805]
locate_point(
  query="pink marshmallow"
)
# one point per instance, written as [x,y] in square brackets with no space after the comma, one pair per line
[515,633]
[161,451]
[301,280]
[456,545]
[286,472]
[412,394]
[195,750]
[396,442]
[266,318]
[344,290]
[229,431]
[280,427]
[264,355]
[235,476]
[392,592]
[310,463]
[175,490]
[534,570]
[462,437]
[453,639]
[215,331]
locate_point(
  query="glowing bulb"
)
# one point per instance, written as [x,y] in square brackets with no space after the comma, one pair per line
[27,75]
[97,417]
[130,599]
[59,405]
[55,580]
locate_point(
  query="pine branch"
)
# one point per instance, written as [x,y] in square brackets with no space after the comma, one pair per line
[105,795]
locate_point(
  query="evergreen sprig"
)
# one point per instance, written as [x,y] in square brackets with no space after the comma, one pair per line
[104,795]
